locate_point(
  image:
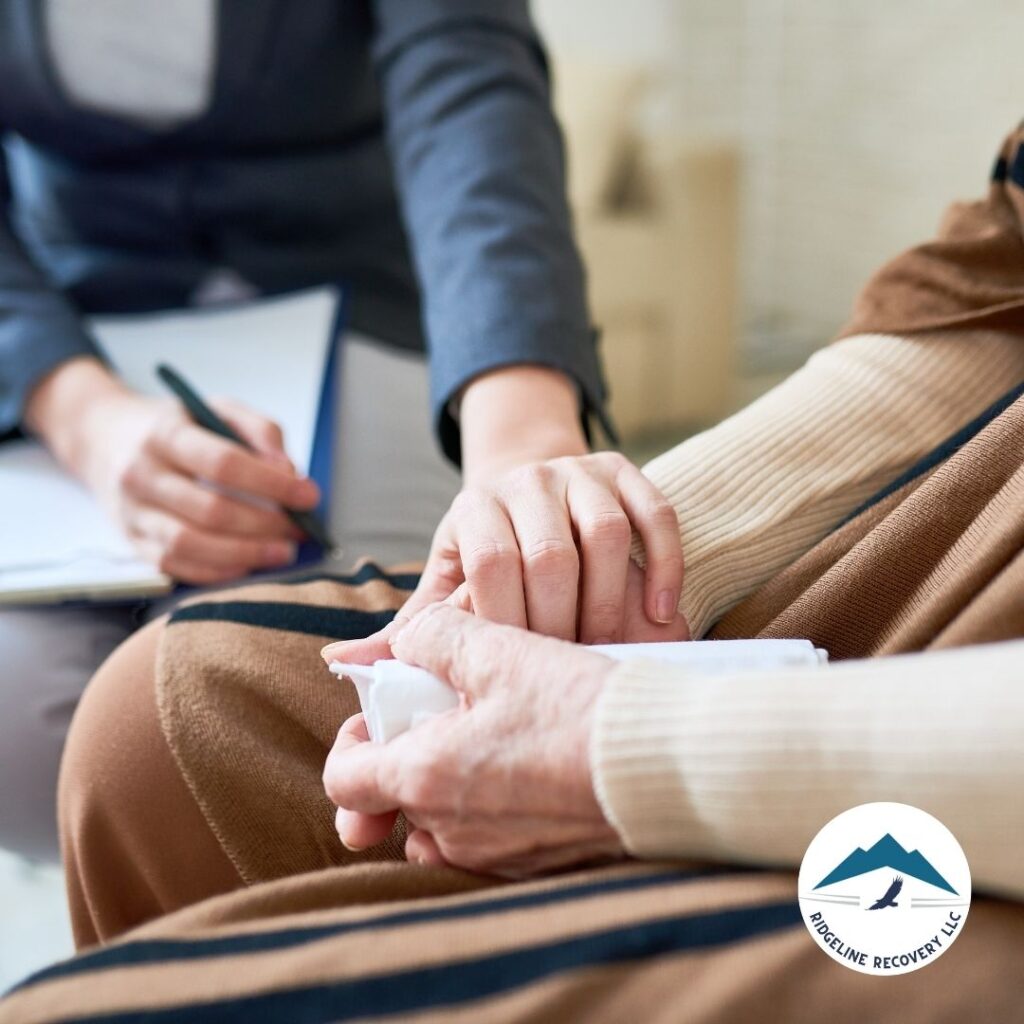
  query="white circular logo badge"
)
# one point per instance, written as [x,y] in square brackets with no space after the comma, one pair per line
[884,888]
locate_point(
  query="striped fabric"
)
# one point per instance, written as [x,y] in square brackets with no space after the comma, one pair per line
[636,942]
[503,948]
[394,941]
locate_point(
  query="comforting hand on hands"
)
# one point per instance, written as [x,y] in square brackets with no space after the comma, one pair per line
[546,546]
[502,784]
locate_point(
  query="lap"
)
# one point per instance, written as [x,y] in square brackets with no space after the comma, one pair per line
[135,844]
[248,710]
[194,763]
[632,942]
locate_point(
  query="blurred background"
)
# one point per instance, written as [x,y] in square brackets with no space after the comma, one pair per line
[738,168]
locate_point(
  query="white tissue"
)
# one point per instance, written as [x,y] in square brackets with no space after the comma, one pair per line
[395,696]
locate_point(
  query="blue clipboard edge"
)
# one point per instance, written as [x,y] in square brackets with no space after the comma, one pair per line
[321,458]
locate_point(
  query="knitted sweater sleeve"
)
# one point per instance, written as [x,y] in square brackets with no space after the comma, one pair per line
[748,768]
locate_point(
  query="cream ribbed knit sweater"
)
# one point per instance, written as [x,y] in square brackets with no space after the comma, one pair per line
[749,768]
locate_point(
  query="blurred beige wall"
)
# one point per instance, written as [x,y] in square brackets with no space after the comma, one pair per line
[855,124]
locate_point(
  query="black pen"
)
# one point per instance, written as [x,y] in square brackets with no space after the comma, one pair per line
[209,420]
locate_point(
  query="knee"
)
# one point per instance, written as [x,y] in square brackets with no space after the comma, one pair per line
[104,759]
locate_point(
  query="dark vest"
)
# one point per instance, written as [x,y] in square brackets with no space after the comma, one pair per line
[285,178]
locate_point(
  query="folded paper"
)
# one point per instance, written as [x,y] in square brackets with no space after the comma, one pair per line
[395,696]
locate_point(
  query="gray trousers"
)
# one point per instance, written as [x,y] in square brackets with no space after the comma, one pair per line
[390,487]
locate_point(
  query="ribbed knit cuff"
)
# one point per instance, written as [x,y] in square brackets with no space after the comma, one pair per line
[722,767]
[635,754]
[748,767]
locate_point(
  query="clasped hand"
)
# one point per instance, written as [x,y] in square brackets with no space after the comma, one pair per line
[503,783]
[500,785]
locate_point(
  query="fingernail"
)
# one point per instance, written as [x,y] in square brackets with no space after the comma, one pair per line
[280,552]
[351,849]
[329,652]
[666,606]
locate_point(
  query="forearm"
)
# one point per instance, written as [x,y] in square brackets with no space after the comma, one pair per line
[749,767]
[39,328]
[58,407]
[757,491]
[516,415]
[480,171]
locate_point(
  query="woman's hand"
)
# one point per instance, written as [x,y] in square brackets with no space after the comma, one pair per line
[546,547]
[199,507]
[502,784]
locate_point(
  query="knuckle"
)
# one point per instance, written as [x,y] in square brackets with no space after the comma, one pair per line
[662,514]
[423,785]
[463,505]
[215,511]
[445,571]
[604,611]
[177,541]
[607,528]
[165,430]
[418,789]
[129,476]
[470,845]
[610,462]
[550,557]
[222,463]
[487,562]
[332,783]
[166,562]
[536,476]
[154,441]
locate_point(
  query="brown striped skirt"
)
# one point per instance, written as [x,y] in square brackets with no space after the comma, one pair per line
[640,942]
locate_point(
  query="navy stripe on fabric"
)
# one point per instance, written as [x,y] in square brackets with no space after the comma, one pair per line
[1016,171]
[364,574]
[465,981]
[313,620]
[167,950]
[939,454]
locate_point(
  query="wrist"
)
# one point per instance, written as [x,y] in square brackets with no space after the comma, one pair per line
[59,407]
[516,415]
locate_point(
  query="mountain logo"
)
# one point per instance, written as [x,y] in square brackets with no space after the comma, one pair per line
[910,866]
[886,853]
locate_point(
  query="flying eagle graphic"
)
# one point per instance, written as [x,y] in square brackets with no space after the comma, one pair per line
[889,899]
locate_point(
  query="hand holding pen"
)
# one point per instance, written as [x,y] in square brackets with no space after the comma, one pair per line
[203,509]
[208,419]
